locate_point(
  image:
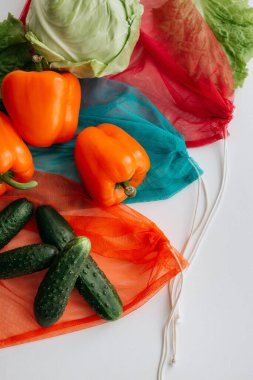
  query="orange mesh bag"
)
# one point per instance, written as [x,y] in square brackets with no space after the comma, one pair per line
[132,251]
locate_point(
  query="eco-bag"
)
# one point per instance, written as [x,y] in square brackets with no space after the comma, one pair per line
[182,68]
[132,251]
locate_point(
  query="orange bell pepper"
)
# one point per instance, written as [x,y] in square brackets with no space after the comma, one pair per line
[110,162]
[16,163]
[44,106]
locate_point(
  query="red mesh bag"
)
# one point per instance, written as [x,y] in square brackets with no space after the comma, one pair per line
[179,64]
[134,254]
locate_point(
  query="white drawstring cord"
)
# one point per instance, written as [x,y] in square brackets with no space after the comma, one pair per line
[208,221]
[168,322]
[193,231]
[172,315]
[178,288]
[215,205]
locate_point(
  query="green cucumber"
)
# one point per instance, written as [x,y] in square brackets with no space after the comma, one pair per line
[13,218]
[53,228]
[26,260]
[54,290]
[92,283]
[97,290]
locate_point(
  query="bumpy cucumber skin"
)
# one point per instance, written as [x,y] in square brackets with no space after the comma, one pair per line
[26,260]
[55,288]
[53,228]
[13,218]
[97,290]
[92,283]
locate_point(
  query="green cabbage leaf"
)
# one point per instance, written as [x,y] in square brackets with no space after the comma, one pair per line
[14,49]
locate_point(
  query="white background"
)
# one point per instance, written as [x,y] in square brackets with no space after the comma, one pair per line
[215,333]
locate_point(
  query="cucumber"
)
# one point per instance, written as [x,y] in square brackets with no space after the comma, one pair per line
[54,290]
[92,283]
[13,218]
[97,290]
[26,260]
[53,228]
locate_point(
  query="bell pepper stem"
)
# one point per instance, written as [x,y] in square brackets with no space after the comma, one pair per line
[37,60]
[130,190]
[7,178]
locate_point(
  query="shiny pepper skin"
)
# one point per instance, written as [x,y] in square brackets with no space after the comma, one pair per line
[43,106]
[16,163]
[110,163]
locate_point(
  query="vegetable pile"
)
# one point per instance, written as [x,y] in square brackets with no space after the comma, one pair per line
[67,257]
[41,108]
[40,100]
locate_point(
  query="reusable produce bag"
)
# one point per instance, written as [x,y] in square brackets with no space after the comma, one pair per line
[104,100]
[134,254]
[179,64]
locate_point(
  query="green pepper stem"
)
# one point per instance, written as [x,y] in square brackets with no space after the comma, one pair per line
[129,190]
[6,177]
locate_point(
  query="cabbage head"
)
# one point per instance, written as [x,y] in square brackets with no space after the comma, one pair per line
[90,38]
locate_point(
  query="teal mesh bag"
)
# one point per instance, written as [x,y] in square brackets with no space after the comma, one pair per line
[107,101]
